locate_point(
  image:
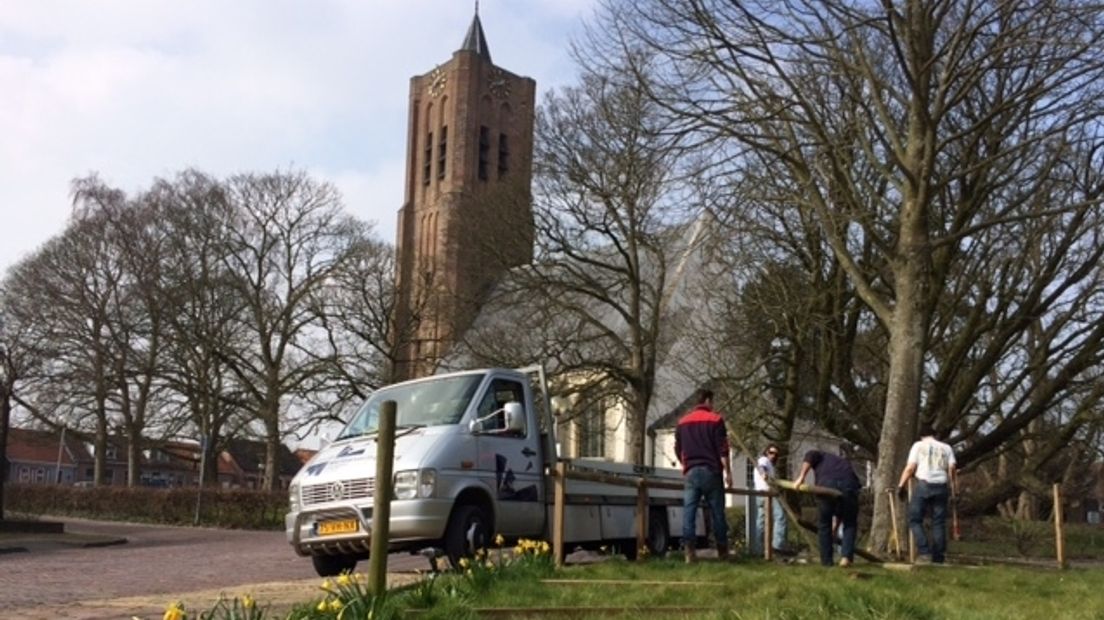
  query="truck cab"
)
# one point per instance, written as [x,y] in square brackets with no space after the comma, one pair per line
[471,452]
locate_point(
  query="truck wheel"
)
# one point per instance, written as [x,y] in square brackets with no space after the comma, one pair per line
[659,538]
[331,565]
[468,531]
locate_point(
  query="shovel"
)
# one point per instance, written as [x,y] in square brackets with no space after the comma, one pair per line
[893,518]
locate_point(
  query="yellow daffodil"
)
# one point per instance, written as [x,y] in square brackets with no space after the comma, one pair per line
[335,605]
[499,540]
[343,579]
[174,612]
[464,562]
[322,605]
[248,602]
[327,585]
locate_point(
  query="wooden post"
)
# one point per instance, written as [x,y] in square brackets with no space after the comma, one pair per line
[381,506]
[558,513]
[768,527]
[1059,538]
[641,518]
[912,539]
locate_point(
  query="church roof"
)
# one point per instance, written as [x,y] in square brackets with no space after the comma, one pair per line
[516,324]
[475,40]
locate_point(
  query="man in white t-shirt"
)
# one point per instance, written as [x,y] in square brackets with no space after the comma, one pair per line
[764,473]
[932,462]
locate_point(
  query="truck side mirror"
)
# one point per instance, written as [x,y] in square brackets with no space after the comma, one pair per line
[515,417]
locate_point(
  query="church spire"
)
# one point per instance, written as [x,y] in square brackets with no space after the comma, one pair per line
[475,40]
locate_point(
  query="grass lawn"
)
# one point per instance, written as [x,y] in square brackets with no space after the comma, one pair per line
[754,589]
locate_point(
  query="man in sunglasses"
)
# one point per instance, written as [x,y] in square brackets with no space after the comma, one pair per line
[764,474]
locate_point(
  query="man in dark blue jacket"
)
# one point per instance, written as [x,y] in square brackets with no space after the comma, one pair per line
[701,443]
[837,473]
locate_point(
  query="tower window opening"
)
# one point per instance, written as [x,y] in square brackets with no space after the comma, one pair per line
[484,149]
[503,155]
[427,165]
[442,149]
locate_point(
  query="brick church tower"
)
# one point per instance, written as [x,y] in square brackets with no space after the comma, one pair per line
[466,217]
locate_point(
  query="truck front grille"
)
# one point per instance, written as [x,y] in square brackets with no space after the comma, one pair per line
[356,488]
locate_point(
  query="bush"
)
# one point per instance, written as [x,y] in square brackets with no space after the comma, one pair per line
[232,508]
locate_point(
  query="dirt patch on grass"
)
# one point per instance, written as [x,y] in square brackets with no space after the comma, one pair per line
[277,596]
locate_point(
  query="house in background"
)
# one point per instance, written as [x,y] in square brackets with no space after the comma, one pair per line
[37,457]
[241,464]
[41,457]
[304,455]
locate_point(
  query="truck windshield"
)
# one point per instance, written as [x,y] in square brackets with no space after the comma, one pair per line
[427,403]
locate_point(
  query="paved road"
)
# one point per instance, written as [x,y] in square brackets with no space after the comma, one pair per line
[155,566]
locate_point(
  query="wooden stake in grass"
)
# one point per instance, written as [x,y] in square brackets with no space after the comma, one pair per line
[558,513]
[641,517]
[1059,538]
[768,528]
[381,508]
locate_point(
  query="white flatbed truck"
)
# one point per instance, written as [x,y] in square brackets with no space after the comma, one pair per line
[473,457]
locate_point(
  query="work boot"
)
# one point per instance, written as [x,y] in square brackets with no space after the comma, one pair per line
[690,557]
[722,552]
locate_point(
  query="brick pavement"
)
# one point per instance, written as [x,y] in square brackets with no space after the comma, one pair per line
[158,564]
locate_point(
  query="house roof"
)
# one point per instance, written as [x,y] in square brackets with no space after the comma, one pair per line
[249,456]
[690,272]
[38,446]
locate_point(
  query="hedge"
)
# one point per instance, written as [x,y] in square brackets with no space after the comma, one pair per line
[229,508]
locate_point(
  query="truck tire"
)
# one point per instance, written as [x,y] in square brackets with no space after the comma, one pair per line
[659,536]
[469,529]
[332,565]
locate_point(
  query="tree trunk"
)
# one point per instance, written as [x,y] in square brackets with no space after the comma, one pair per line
[134,456]
[635,427]
[272,449]
[211,461]
[900,421]
[907,342]
[5,420]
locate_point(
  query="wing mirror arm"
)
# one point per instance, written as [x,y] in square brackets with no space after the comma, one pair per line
[514,415]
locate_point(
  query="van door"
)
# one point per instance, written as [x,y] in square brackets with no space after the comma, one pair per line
[509,462]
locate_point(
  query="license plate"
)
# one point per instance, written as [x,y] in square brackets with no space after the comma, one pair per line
[346,526]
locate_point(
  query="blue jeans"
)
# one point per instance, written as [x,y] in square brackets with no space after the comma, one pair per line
[846,507]
[929,497]
[778,525]
[703,483]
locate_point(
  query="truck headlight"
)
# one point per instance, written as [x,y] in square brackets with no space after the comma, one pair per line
[293,496]
[428,482]
[406,484]
[412,483]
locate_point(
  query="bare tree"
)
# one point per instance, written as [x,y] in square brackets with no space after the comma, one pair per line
[291,237]
[201,309]
[360,334]
[72,282]
[135,309]
[20,355]
[916,127]
[608,199]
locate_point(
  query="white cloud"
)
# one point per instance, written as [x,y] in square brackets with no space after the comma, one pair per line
[136,89]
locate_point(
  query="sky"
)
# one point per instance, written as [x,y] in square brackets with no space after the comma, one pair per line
[135,90]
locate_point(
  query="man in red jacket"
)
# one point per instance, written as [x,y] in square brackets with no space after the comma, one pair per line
[701,443]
